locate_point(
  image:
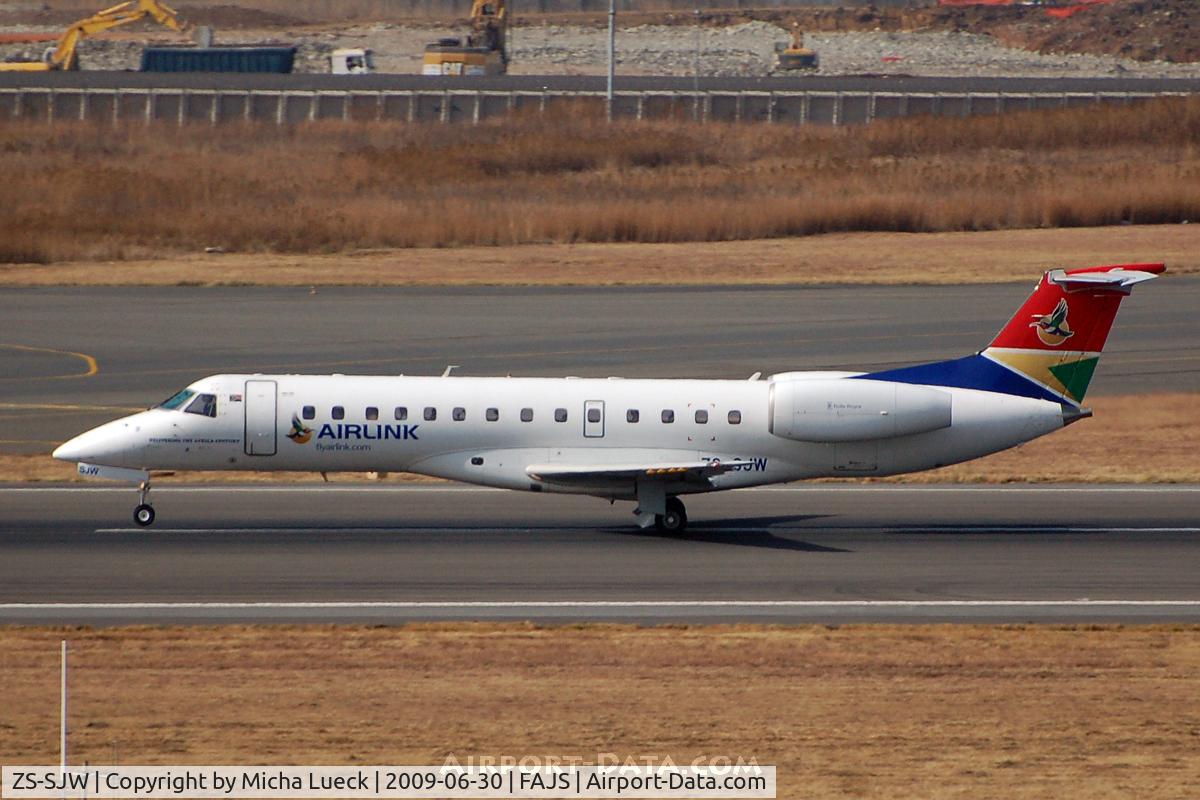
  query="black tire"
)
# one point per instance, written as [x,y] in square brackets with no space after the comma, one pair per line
[675,520]
[144,515]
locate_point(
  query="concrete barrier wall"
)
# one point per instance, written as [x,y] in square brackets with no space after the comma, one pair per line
[470,106]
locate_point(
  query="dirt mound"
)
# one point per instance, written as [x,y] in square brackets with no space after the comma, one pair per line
[219,16]
[1145,30]
[233,16]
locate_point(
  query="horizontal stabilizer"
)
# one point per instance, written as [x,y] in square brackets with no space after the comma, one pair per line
[1121,278]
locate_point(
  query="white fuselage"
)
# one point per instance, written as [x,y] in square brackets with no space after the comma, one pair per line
[491,431]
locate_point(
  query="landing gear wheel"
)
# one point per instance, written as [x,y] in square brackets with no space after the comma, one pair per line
[674,520]
[144,515]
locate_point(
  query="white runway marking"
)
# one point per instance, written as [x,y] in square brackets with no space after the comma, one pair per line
[632,604]
[697,532]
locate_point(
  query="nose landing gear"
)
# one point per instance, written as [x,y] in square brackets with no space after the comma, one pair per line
[143,515]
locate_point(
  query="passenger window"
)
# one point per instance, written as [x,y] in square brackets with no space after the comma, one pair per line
[526,415]
[735,418]
[338,412]
[372,413]
[632,415]
[701,417]
[560,415]
[593,415]
[668,416]
[430,413]
[458,414]
[492,414]
[401,413]
[204,404]
[309,412]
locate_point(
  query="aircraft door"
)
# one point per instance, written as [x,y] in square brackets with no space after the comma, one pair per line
[261,428]
[593,419]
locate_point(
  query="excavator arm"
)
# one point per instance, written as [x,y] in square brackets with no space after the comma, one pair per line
[64,55]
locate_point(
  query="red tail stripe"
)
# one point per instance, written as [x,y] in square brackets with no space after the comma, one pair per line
[1089,316]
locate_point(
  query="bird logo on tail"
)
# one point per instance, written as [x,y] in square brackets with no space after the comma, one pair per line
[1052,328]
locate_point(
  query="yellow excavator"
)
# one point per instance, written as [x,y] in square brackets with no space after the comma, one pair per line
[485,51]
[64,56]
[796,55]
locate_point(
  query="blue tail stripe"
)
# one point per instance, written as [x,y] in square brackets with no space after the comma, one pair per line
[971,372]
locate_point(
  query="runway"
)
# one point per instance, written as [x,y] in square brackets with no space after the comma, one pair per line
[92,79]
[815,553]
[145,343]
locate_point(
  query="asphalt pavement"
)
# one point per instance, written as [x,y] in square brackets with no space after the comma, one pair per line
[815,553]
[72,358]
[95,79]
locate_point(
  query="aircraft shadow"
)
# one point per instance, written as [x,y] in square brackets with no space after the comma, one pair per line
[742,532]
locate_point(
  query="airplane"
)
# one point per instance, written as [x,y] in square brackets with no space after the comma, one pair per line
[646,441]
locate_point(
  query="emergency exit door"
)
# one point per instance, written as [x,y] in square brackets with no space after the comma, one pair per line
[260,418]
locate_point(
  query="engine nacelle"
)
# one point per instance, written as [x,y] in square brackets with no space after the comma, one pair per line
[851,410]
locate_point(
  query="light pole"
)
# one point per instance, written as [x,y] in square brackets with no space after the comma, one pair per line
[612,52]
[62,713]
[696,70]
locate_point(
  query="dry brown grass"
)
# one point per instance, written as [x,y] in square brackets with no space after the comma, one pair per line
[852,258]
[1157,443]
[882,711]
[96,192]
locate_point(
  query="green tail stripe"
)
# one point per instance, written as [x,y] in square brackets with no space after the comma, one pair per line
[1076,376]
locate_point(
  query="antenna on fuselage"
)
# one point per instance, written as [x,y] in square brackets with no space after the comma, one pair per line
[755,376]
[449,367]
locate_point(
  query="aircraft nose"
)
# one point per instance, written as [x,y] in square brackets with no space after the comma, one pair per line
[107,444]
[84,447]
[69,450]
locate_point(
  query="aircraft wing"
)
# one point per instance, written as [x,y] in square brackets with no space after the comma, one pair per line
[609,475]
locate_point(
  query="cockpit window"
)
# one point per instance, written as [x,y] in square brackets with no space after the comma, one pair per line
[177,400]
[205,404]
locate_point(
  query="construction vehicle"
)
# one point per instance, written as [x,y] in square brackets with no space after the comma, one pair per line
[64,55]
[796,55]
[243,58]
[352,61]
[485,51]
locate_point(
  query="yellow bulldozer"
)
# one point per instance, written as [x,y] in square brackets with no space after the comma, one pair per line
[485,51]
[64,55]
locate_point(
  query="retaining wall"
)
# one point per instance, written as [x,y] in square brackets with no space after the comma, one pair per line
[214,106]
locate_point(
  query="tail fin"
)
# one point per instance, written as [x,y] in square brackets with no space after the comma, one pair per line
[1050,348]
[1056,338]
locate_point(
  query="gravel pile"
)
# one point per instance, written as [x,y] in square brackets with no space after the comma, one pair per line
[746,49]
[965,54]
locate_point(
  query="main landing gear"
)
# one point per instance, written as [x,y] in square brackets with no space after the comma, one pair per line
[673,519]
[655,507]
[143,515]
